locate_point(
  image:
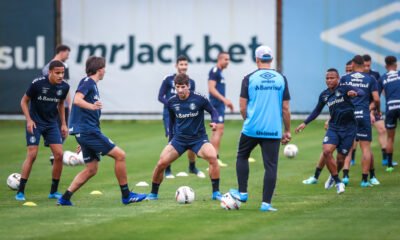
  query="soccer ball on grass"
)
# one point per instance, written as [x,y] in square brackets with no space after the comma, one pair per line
[229,203]
[184,195]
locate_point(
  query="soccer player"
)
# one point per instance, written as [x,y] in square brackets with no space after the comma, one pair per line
[391,86]
[359,79]
[377,120]
[41,104]
[216,89]
[349,67]
[187,132]
[264,104]
[166,91]
[62,54]
[342,124]
[85,125]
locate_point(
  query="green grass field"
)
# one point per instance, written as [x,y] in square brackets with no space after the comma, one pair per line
[305,212]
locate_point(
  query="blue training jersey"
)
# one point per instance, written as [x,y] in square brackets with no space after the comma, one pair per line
[365,82]
[44,99]
[391,86]
[81,119]
[377,77]
[265,91]
[187,116]
[341,108]
[167,89]
[215,74]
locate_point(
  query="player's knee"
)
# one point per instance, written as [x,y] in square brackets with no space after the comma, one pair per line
[91,171]
[58,156]
[327,153]
[120,156]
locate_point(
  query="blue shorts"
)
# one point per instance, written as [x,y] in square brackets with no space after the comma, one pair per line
[391,118]
[182,145]
[343,139]
[93,145]
[51,135]
[364,130]
[221,112]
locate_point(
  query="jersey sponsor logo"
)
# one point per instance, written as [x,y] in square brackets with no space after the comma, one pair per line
[187,115]
[266,88]
[357,85]
[391,78]
[336,101]
[383,23]
[357,75]
[47,99]
[266,133]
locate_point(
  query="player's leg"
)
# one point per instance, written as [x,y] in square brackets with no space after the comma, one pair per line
[365,146]
[216,135]
[207,151]
[389,148]
[120,172]
[331,141]
[169,154]
[382,135]
[347,164]
[168,170]
[192,164]
[317,172]
[246,145]
[270,154]
[57,152]
[32,142]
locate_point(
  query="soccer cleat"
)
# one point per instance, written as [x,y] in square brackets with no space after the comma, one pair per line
[239,196]
[152,196]
[55,195]
[352,162]
[330,182]
[389,169]
[20,196]
[366,184]
[310,180]
[374,181]
[216,196]
[169,175]
[221,164]
[340,188]
[62,202]
[198,173]
[345,180]
[266,207]
[134,197]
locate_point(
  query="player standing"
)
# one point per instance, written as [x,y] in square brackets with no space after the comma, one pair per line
[42,103]
[216,89]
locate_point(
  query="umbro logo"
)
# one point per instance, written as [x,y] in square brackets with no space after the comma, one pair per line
[357,75]
[267,75]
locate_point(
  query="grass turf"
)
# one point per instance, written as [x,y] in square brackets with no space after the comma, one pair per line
[305,212]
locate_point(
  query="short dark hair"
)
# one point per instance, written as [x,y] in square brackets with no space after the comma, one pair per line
[55,64]
[358,60]
[181,58]
[93,64]
[62,48]
[367,58]
[221,53]
[333,70]
[390,60]
[181,79]
[349,62]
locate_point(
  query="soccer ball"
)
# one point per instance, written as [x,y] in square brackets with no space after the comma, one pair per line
[184,195]
[229,203]
[13,181]
[72,158]
[290,150]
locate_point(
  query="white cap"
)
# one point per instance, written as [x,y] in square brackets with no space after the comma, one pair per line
[264,53]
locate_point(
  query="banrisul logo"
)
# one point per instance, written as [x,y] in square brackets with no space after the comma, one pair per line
[135,52]
[376,32]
